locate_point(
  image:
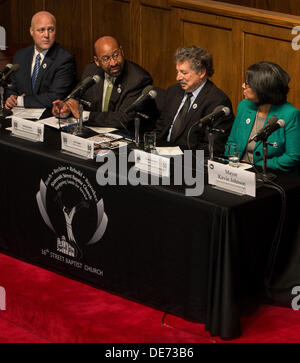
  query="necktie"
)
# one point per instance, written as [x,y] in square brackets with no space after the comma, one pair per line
[107,94]
[179,121]
[35,70]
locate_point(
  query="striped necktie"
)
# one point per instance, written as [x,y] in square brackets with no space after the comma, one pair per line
[36,70]
[108,94]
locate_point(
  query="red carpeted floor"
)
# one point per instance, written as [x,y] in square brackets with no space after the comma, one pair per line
[42,306]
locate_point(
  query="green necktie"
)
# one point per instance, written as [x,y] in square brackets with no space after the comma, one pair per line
[107,94]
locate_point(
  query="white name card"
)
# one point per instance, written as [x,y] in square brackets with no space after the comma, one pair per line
[26,129]
[232,179]
[151,163]
[77,145]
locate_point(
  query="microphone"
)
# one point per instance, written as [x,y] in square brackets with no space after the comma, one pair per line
[147,93]
[218,112]
[272,125]
[83,86]
[8,70]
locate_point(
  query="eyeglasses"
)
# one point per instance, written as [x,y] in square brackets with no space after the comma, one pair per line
[246,84]
[106,58]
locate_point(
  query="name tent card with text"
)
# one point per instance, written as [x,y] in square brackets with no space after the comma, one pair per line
[77,145]
[231,179]
[151,163]
[26,129]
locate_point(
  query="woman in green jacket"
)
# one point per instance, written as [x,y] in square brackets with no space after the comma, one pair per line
[265,92]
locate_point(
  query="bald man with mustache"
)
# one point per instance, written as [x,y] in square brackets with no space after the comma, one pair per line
[121,83]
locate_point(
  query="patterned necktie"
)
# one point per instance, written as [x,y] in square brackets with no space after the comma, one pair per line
[179,121]
[107,94]
[36,70]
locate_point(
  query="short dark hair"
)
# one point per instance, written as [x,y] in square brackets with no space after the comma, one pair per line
[198,58]
[269,81]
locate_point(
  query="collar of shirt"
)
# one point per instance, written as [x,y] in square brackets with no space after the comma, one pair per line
[43,55]
[196,92]
[193,97]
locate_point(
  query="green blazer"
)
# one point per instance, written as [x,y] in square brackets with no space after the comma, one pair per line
[286,156]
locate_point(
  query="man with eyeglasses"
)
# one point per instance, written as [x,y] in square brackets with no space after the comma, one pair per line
[47,71]
[121,83]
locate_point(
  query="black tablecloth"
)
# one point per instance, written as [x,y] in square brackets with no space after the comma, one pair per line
[202,258]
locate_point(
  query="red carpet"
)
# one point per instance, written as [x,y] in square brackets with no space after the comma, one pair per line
[42,306]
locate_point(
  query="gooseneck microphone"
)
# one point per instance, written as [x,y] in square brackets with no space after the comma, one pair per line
[8,70]
[147,93]
[83,86]
[272,125]
[218,112]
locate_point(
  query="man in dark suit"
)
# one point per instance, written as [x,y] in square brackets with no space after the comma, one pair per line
[47,71]
[121,83]
[187,102]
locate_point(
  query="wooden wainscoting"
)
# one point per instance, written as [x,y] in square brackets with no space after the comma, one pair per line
[151,30]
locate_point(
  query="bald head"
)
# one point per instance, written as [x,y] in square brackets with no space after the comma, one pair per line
[43,30]
[109,55]
[40,15]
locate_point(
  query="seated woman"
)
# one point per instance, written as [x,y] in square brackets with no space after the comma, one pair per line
[265,92]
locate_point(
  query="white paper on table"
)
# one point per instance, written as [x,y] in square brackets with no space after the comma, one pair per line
[169,151]
[101,130]
[33,113]
[54,122]
[245,166]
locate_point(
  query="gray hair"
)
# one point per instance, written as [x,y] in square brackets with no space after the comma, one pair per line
[198,58]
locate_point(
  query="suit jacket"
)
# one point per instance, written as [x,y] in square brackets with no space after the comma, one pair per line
[127,88]
[207,100]
[284,157]
[55,80]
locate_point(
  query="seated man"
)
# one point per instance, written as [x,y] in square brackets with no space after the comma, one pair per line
[187,102]
[121,83]
[47,71]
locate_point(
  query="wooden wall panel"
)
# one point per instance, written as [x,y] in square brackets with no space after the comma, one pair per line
[112,17]
[21,24]
[264,43]
[157,46]
[282,6]
[151,30]
[74,29]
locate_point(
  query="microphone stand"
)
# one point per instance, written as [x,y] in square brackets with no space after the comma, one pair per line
[211,137]
[264,176]
[211,141]
[3,113]
[137,122]
[81,130]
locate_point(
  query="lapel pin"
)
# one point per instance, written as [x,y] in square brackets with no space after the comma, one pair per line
[248,121]
[44,65]
[195,106]
[119,90]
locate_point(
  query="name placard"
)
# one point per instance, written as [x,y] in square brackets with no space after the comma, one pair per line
[152,164]
[232,179]
[77,145]
[26,129]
